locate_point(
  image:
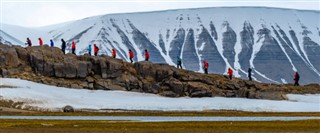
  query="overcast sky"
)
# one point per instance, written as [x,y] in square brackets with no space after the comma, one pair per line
[35,13]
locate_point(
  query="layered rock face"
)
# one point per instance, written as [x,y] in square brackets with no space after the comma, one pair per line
[50,66]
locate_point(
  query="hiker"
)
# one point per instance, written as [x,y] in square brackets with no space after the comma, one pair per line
[29,42]
[114,53]
[51,43]
[230,73]
[63,46]
[296,79]
[179,62]
[205,66]
[73,47]
[89,49]
[40,41]
[146,53]
[249,74]
[95,49]
[131,55]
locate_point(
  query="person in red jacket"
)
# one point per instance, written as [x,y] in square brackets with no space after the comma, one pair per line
[114,53]
[95,49]
[205,66]
[146,53]
[73,47]
[296,79]
[230,72]
[40,42]
[131,55]
[29,42]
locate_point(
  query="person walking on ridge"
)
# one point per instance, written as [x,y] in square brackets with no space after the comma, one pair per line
[95,49]
[29,42]
[51,43]
[179,62]
[146,53]
[89,49]
[230,73]
[73,47]
[131,55]
[40,42]
[63,46]
[296,79]
[249,74]
[114,53]
[205,66]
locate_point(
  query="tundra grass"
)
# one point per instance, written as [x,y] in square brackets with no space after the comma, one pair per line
[50,126]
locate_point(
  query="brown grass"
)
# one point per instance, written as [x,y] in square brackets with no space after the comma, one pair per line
[160,113]
[50,126]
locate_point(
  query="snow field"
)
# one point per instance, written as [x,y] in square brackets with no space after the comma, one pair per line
[54,98]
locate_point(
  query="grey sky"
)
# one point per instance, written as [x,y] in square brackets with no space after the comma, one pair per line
[34,13]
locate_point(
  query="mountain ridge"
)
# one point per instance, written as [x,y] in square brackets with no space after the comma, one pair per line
[262,38]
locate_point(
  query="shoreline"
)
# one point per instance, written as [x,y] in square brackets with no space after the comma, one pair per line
[5,111]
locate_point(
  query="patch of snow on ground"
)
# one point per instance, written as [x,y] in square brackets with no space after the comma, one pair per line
[54,98]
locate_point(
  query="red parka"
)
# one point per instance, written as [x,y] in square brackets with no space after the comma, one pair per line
[205,64]
[147,55]
[131,54]
[114,52]
[95,48]
[73,46]
[40,42]
[230,72]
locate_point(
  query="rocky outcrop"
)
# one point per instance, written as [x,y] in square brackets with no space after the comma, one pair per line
[50,66]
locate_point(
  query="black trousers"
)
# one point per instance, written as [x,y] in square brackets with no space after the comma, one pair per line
[64,51]
[206,70]
[95,53]
[147,59]
[250,77]
[179,65]
[131,60]
[73,51]
[230,76]
[296,83]
[90,53]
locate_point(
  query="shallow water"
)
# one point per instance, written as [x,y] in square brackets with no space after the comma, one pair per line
[160,118]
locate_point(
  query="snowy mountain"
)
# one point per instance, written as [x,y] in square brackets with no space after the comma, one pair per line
[275,42]
[8,39]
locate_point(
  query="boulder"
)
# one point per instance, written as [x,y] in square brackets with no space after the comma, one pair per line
[48,69]
[68,108]
[114,68]
[103,68]
[4,72]
[201,93]
[59,70]
[168,94]
[271,95]
[37,62]
[82,69]
[175,86]
[22,53]
[8,57]
[70,70]
[145,69]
